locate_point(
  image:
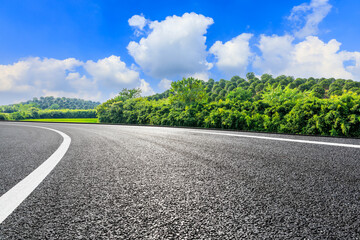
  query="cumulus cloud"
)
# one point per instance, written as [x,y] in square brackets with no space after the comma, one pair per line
[145,88]
[34,73]
[307,17]
[137,21]
[276,53]
[174,47]
[233,56]
[94,80]
[80,82]
[309,58]
[111,71]
[11,76]
[165,84]
[200,75]
[354,66]
[95,96]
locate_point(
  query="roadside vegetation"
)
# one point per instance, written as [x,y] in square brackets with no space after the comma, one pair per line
[49,108]
[324,106]
[51,103]
[73,120]
[282,104]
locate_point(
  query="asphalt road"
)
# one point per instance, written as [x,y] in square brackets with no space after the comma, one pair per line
[127,182]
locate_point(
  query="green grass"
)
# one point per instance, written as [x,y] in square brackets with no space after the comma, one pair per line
[75,120]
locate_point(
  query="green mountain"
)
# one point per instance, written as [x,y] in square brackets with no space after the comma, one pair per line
[49,107]
[44,103]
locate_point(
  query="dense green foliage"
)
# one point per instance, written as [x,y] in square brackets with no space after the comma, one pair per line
[71,120]
[61,103]
[4,116]
[283,104]
[68,113]
[49,107]
[34,113]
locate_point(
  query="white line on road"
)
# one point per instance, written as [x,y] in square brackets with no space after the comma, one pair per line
[280,139]
[16,195]
[203,131]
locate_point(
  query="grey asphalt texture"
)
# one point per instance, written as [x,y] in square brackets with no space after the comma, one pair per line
[128,182]
[22,150]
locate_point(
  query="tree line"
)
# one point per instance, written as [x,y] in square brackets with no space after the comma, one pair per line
[50,103]
[319,106]
[35,113]
[49,107]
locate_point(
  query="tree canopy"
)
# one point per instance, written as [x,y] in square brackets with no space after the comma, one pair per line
[188,91]
[283,104]
[49,106]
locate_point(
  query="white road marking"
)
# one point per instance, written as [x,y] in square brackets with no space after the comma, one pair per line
[16,195]
[203,131]
[280,139]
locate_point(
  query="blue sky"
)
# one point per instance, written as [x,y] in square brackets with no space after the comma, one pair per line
[88,49]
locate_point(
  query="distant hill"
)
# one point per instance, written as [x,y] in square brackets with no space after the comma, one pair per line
[62,103]
[50,103]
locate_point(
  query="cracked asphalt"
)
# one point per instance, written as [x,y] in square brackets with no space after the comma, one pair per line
[129,182]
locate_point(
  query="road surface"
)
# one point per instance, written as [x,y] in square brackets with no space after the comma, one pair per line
[128,182]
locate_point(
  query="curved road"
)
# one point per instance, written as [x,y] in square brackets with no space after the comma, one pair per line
[128,182]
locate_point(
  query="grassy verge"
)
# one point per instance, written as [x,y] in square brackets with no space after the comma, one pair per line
[77,120]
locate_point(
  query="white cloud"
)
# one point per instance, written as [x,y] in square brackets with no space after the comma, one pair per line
[80,82]
[137,21]
[353,68]
[309,58]
[35,77]
[275,52]
[165,84]
[174,47]
[11,76]
[309,15]
[111,71]
[146,89]
[200,75]
[32,74]
[233,56]
[95,96]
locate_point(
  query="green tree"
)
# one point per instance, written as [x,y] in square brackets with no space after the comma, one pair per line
[188,91]
[34,112]
[335,89]
[325,83]
[240,94]
[266,78]
[318,91]
[250,75]
[300,107]
[3,117]
[259,87]
[126,94]
[304,87]
[54,106]
[349,85]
